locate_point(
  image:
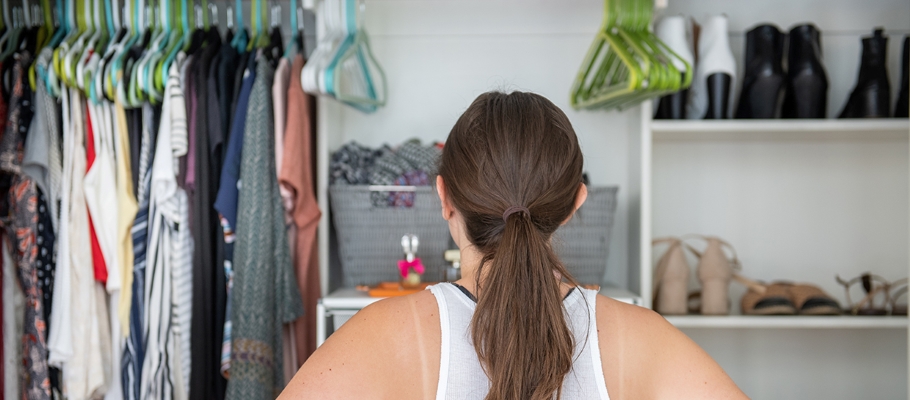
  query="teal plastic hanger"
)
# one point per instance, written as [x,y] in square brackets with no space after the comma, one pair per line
[240,40]
[290,51]
[349,10]
[357,87]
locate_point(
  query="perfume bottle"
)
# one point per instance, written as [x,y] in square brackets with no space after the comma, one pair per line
[411,268]
[453,270]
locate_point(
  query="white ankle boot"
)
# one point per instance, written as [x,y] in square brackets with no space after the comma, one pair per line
[714,60]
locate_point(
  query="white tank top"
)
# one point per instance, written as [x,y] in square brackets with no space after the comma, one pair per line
[460,373]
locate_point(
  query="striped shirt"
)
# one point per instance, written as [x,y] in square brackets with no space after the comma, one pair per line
[168,294]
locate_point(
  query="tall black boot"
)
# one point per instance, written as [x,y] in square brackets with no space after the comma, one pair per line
[763,82]
[901,109]
[871,98]
[807,83]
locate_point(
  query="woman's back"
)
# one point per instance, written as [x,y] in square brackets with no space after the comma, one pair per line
[510,174]
[461,375]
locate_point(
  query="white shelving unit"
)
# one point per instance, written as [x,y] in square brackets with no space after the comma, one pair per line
[741,134]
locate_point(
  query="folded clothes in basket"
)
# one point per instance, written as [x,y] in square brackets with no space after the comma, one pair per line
[410,164]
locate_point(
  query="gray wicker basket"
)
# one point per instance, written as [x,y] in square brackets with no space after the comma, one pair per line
[369,237]
[583,244]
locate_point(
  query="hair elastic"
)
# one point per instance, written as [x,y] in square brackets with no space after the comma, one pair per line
[514,209]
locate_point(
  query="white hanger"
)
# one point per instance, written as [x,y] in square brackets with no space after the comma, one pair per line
[313,71]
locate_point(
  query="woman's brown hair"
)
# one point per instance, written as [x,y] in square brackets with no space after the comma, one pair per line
[516,150]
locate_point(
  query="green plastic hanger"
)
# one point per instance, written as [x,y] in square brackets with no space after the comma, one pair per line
[113,77]
[608,70]
[73,29]
[183,34]
[147,64]
[84,15]
[87,60]
[154,87]
[96,87]
[152,26]
[626,63]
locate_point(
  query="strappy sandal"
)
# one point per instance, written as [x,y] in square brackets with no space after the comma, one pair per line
[873,285]
[897,290]
[773,299]
[715,270]
[671,279]
[784,298]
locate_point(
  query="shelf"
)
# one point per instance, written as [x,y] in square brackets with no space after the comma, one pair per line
[785,322]
[781,130]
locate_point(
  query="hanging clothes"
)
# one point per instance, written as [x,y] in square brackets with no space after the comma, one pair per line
[264,296]
[120,213]
[226,202]
[13,315]
[209,288]
[165,371]
[299,195]
[134,350]
[279,109]
[22,225]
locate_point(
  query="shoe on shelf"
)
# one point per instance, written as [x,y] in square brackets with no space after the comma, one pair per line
[874,287]
[774,299]
[715,72]
[763,79]
[673,32]
[715,270]
[807,84]
[671,279]
[898,291]
[902,108]
[811,300]
[871,96]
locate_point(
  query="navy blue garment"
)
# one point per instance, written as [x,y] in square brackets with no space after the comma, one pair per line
[226,201]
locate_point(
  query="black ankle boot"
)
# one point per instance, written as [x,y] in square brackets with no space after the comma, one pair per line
[763,82]
[807,83]
[901,109]
[673,106]
[871,97]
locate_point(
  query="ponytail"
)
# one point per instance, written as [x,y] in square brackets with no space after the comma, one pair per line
[512,168]
[519,329]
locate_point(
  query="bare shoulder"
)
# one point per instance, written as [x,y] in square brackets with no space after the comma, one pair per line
[644,356]
[389,349]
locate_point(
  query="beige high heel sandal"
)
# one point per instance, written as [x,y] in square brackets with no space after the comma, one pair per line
[715,271]
[671,279]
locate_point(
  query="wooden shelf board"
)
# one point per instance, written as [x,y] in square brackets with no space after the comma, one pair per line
[785,322]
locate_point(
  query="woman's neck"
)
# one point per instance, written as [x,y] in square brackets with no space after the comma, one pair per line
[470,267]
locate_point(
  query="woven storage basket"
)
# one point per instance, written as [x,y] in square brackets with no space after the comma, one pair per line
[369,236]
[583,244]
